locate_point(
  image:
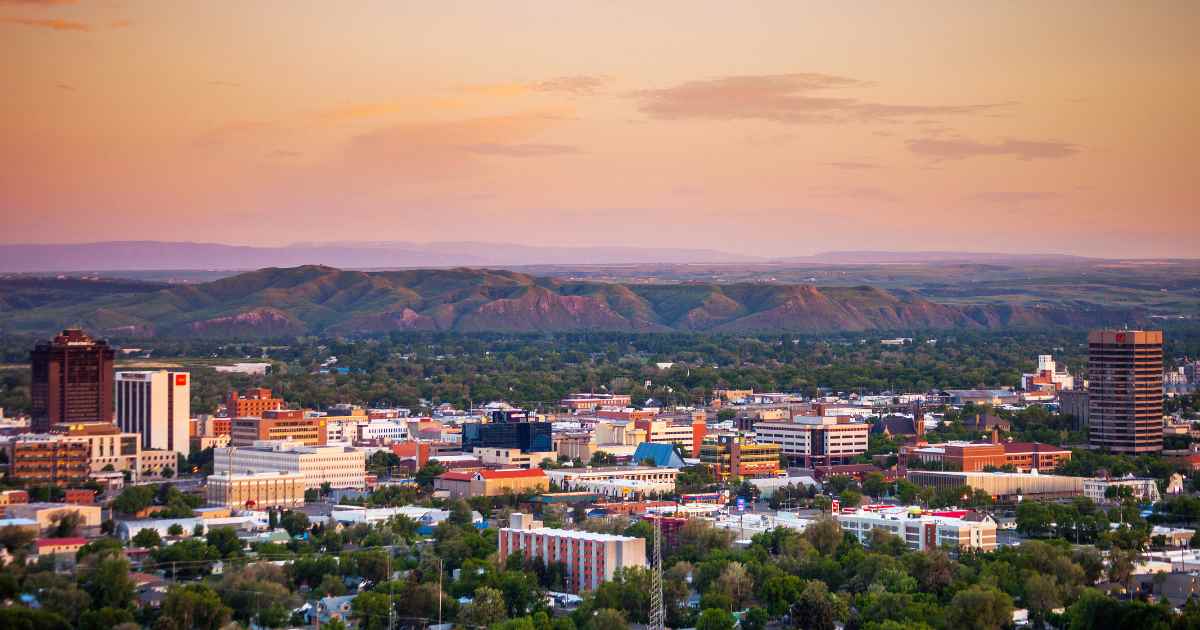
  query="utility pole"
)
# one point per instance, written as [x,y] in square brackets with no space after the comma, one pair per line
[439,591]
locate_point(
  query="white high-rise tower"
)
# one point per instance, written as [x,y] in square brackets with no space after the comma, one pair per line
[156,404]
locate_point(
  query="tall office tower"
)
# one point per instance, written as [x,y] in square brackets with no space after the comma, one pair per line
[1125,390]
[72,380]
[156,404]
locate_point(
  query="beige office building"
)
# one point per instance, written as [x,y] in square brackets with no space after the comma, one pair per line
[339,466]
[256,490]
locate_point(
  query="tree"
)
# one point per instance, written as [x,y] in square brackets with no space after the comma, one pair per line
[67,525]
[755,619]
[460,514]
[15,538]
[147,538]
[175,529]
[736,583]
[311,495]
[814,609]
[980,608]
[606,619]
[372,610]
[108,583]
[715,619]
[167,472]
[874,485]
[225,540]
[602,458]
[105,619]
[193,606]
[485,609]
[824,534]
[294,522]
[1041,596]
[428,473]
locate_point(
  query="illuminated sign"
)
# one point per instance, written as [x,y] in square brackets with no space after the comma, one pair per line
[180,380]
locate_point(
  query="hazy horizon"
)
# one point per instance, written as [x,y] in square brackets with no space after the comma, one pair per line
[774,130]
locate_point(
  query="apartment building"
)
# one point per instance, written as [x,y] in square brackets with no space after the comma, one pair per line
[340,466]
[920,530]
[106,444]
[590,559]
[256,490]
[816,440]
[279,424]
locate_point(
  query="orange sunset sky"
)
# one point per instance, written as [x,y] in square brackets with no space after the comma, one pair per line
[767,128]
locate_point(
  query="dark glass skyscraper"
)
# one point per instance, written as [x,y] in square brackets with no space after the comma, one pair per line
[72,380]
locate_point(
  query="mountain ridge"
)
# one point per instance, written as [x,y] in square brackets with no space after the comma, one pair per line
[315,299]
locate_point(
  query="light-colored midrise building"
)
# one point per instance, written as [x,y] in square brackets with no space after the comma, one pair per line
[339,466]
[816,440]
[157,405]
[590,559]
[257,490]
[921,530]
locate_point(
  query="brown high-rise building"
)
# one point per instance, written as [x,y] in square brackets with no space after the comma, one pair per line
[1125,390]
[72,380]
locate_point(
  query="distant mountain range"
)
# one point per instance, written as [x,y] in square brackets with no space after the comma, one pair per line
[162,255]
[313,299]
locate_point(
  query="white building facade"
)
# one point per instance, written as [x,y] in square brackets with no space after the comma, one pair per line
[157,405]
[339,466]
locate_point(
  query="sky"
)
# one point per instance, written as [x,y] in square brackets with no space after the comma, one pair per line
[766,128]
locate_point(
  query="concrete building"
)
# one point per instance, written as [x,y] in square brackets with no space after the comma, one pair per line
[1074,402]
[382,431]
[686,435]
[252,404]
[71,381]
[1004,487]
[490,482]
[1144,489]
[977,456]
[153,462]
[569,479]
[158,406]
[590,559]
[340,466]
[47,515]
[816,440]
[1125,390]
[256,490]
[279,424]
[921,530]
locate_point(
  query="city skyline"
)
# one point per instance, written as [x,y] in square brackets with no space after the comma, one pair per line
[782,130]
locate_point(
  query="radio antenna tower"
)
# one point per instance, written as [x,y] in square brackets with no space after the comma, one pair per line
[657,615]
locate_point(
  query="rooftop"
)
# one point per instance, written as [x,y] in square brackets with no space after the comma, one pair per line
[576,534]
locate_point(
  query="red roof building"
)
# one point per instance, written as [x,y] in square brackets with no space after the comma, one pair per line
[492,482]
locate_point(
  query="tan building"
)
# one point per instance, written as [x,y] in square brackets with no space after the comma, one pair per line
[1004,487]
[590,402]
[256,490]
[47,515]
[339,466]
[1125,390]
[490,483]
[107,445]
[154,462]
[817,440]
[47,459]
[738,457]
[253,403]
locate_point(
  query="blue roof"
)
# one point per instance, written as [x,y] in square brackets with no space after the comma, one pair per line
[664,455]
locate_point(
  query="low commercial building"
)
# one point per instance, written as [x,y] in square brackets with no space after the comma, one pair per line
[632,489]
[569,479]
[511,457]
[339,466]
[921,530]
[382,431]
[490,482]
[108,447]
[589,559]
[686,435]
[1004,487]
[1144,489]
[47,515]
[60,546]
[154,462]
[816,440]
[256,490]
[589,402]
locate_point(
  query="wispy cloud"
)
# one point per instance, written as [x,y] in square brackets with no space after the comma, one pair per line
[868,193]
[64,86]
[521,150]
[53,24]
[963,148]
[580,84]
[1010,197]
[39,3]
[785,98]
[852,166]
